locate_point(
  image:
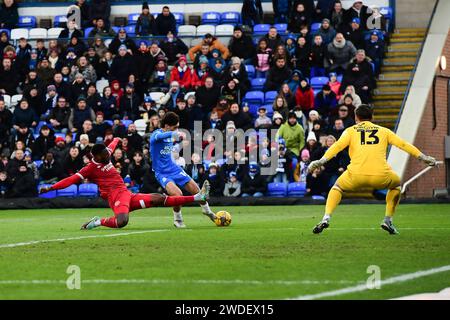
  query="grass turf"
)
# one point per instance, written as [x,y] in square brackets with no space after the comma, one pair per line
[266,253]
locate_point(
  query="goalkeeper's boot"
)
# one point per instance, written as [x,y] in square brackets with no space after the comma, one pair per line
[389,227]
[91,224]
[322,225]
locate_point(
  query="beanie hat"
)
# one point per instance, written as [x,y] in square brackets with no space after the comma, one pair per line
[59,139]
[145,5]
[203,59]
[84,136]
[305,153]
[311,136]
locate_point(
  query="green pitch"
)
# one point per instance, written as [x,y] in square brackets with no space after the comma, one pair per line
[266,253]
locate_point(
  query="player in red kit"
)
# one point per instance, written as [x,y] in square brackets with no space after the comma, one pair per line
[112,188]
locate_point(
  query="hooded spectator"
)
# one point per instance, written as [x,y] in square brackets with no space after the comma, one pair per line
[293,134]
[122,39]
[253,185]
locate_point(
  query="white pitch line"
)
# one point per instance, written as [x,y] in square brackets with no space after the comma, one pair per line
[364,287]
[177,282]
[21,244]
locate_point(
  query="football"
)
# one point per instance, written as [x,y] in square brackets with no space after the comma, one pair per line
[223,219]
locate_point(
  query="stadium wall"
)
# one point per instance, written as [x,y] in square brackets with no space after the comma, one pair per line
[430,137]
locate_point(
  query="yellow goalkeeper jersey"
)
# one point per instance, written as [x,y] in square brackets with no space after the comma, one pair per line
[368,145]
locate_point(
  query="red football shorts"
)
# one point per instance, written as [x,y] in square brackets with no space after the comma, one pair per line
[125,201]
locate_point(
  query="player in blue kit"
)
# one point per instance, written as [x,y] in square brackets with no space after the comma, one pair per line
[167,172]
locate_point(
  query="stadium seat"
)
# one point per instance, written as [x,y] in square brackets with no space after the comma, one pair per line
[387,12]
[116,29]
[27,22]
[206,28]
[230,17]
[87,31]
[281,27]
[258,83]
[156,96]
[18,33]
[141,125]
[101,84]
[88,190]
[47,195]
[7,99]
[224,30]
[70,191]
[269,109]
[270,97]
[60,21]
[15,99]
[276,189]
[296,189]
[187,30]
[255,97]
[126,123]
[110,122]
[7,31]
[261,29]
[132,18]
[315,27]
[53,33]
[130,30]
[61,135]
[179,17]
[250,70]
[211,18]
[318,82]
[37,33]
[318,197]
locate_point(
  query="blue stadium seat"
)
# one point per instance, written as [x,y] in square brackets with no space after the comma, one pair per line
[211,17]
[281,27]
[27,22]
[315,27]
[339,77]
[270,97]
[70,191]
[269,109]
[116,29]
[88,190]
[47,195]
[297,189]
[258,83]
[261,29]
[35,135]
[87,31]
[38,163]
[179,18]
[387,12]
[132,18]
[126,123]
[318,197]
[60,21]
[276,189]
[110,122]
[40,125]
[230,17]
[256,97]
[7,31]
[250,71]
[130,30]
[62,135]
[318,82]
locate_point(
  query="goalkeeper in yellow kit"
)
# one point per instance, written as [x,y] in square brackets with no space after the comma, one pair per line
[367,143]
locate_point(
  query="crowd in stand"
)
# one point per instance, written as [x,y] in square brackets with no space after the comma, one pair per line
[58,81]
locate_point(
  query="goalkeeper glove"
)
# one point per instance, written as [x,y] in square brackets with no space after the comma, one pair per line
[428,160]
[316,164]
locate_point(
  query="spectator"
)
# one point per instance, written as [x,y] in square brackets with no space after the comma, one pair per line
[326,31]
[215,180]
[354,33]
[169,100]
[122,39]
[325,101]
[263,121]
[23,183]
[277,121]
[129,103]
[208,94]
[233,186]
[9,14]
[73,162]
[277,75]
[231,91]
[118,127]
[71,30]
[4,41]
[182,74]
[213,43]
[100,10]
[86,69]
[294,135]
[301,170]
[360,74]
[122,66]
[251,12]
[374,49]
[309,7]
[156,53]
[289,95]
[360,11]
[241,46]
[356,100]
[240,119]
[24,134]
[9,79]
[87,129]
[262,58]
[135,141]
[237,71]
[339,54]
[23,114]
[316,57]
[281,10]
[301,58]
[173,47]
[60,88]
[344,112]
[101,29]
[85,10]
[4,184]
[253,185]
[109,105]
[284,160]
[50,170]
[337,16]
[294,81]
[60,150]
[338,128]
[137,169]
[273,39]
[304,97]
[43,143]
[78,87]
[324,8]
[6,123]
[299,18]
[316,183]
[165,22]
[93,98]
[79,114]
[100,48]
[145,24]
[334,84]
[84,145]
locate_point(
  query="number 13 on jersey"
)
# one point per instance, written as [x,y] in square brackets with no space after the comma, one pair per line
[369,137]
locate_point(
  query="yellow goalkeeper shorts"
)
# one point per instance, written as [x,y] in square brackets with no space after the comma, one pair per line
[354,182]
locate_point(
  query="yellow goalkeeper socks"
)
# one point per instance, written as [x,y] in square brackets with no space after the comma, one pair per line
[392,200]
[334,198]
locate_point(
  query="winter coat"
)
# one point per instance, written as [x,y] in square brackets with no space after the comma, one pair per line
[305,98]
[253,185]
[276,77]
[341,56]
[145,25]
[122,67]
[242,47]
[174,48]
[184,77]
[165,24]
[294,137]
[9,16]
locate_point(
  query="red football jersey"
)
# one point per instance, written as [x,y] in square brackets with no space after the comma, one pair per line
[105,176]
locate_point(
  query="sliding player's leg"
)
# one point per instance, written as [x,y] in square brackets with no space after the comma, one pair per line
[193,188]
[173,190]
[392,200]
[344,182]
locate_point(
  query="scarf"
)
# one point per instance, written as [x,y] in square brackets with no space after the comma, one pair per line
[339,45]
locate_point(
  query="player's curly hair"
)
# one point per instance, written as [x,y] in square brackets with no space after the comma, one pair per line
[170,118]
[364,112]
[97,149]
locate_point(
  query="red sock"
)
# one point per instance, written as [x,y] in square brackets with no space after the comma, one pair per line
[172,201]
[109,222]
